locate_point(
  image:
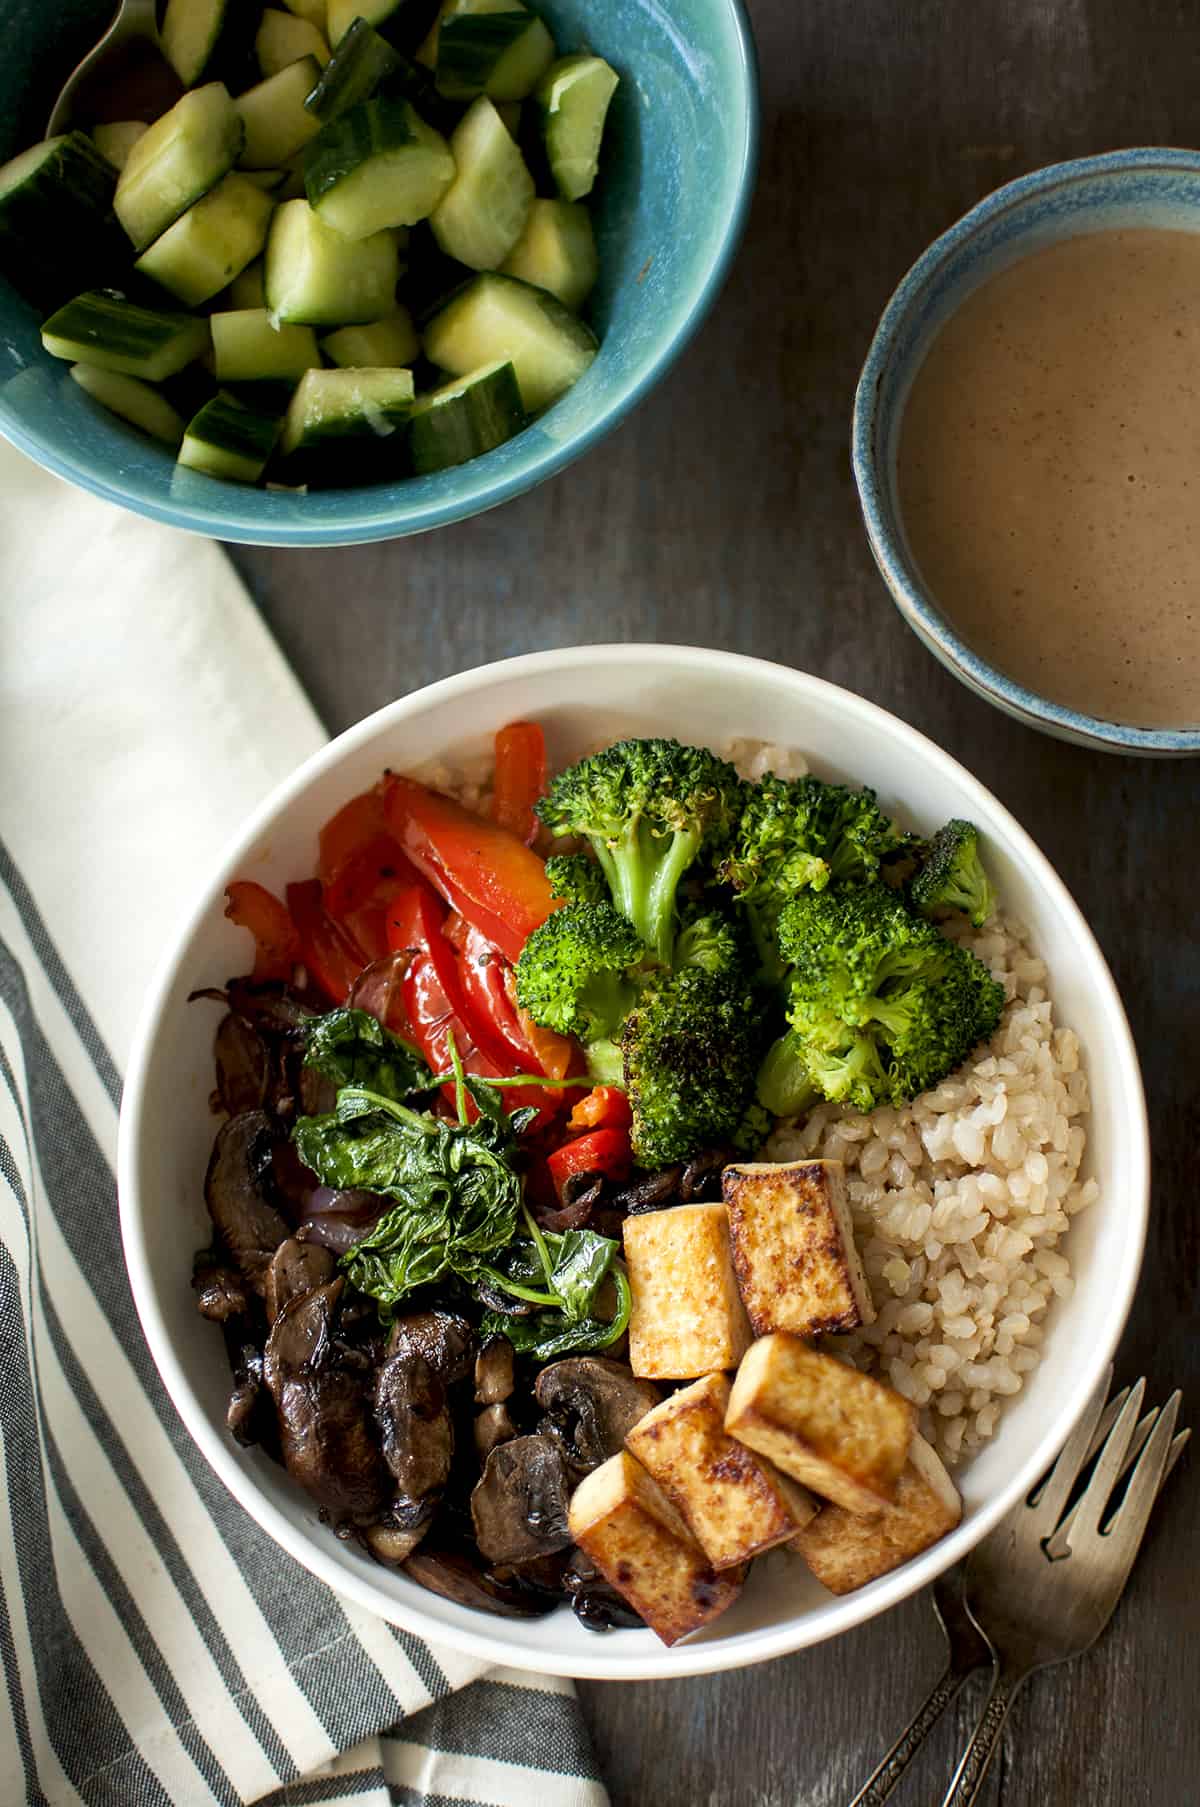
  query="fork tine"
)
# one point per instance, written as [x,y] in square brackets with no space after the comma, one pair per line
[1103,1479]
[1129,1525]
[1049,1503]
[1059,1544]
[1178,1445]
[1108,1418]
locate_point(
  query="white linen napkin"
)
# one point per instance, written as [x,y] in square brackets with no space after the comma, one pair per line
[158,1648]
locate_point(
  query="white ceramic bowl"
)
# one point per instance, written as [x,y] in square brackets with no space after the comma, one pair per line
[580,695]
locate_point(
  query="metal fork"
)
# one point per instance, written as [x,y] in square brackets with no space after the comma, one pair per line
[1013,1580]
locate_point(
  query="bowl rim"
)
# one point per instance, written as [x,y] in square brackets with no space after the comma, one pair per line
[686,1659]
[915,602]
[373,519]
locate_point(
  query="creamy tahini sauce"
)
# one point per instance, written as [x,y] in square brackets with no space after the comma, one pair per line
[1049,474]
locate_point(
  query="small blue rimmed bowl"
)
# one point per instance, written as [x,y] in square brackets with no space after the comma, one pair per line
[678,173]
[1121,189]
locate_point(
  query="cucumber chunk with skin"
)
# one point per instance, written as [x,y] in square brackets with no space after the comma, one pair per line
[557,251]
[283,39]
[212,243]
[227,439]
[314,11]
[459,421]
[497,317]
[207,40]
[404,23]
[182,156]
[376,166]
[391,343]
[483,213]
[114,334]
[316,277]
[56,224]
[331,407]
[137,402]
[493,47]
[360,64]
[248,349]
[573,100]
[115,141]
[277,122]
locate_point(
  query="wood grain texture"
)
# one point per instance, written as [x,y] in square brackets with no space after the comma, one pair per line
[724,514]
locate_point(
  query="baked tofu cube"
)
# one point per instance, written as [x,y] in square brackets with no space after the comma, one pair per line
[845,1551]
[640,1544]
[734,1503]
[793,1247]
[687,1317]
[833,1429]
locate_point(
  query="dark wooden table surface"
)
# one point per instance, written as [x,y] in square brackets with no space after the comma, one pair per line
[724,514]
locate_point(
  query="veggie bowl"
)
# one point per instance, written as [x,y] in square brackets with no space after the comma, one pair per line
[1073,1196]
[363,381]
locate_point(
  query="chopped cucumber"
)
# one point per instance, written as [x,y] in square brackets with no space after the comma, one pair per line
[212,243]
[182,156]
[403,22]
[113,334]
[269,180]
[276,120]
[347,404]
[248,349]
[378,165]
[361,63]
[474,414]
[389,344]
[497,317]
[557,251]
[316,277]
[432,277]
[114,142]
[483,213]
[312,10]
[247,289]
[207,40]
[573,98]
[56,220]
[494,47]
[228,439]
[283,39]
[133,400]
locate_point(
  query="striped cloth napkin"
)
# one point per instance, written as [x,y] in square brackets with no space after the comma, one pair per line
[157,1649]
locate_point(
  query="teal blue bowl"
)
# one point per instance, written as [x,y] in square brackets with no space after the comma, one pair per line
[678,173]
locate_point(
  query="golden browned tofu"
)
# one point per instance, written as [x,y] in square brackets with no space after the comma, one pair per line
[687,1317]
[734,1503]
[845,1551]
[833,1429]
[640,1544]
[793,1247]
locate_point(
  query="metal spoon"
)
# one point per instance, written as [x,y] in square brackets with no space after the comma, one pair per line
[134,21]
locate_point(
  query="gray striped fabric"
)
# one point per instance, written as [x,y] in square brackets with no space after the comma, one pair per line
[158,1650]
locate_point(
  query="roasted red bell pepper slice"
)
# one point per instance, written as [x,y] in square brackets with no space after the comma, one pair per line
[347,832]
[519,779]
[329,951]
[605,1107]
[605,1151]
[483,871]
[276,943]
[436,1003]
[358,897]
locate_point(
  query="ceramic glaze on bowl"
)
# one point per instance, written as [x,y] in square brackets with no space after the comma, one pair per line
[583,695]
[677,173]
[1124,189]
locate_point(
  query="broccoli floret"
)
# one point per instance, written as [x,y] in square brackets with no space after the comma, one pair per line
[649,809]
[576,878]
[752,1131]
[951,876]
[575,973]
[712,942]
[881,1006]
[690,1054]
[796,835]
